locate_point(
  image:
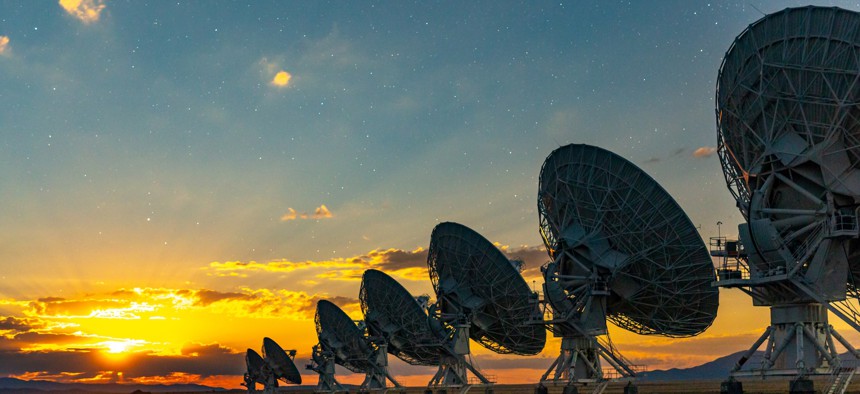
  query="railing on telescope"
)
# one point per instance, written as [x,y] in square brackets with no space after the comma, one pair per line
[731,259]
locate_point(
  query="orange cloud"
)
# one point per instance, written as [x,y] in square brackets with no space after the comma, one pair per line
[321,212]
[4,44]
[282,78]
[404,264]
[290,215]
[87,11]
[705,151]
[407,264]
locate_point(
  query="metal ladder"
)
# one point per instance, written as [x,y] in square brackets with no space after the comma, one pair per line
[616,356]
[840,378]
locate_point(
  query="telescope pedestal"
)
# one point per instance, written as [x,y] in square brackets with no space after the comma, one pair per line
[375,378]
[322,362]
[579,361]
[800,342]
[453,366]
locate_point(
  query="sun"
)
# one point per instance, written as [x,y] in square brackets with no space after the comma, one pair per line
[117,347]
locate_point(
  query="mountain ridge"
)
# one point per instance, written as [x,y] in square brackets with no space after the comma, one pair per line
[19,385]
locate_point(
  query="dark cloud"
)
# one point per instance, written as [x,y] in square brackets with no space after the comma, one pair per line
[206,297]
[533,256]
[397,259]
[309,308]
[203,360]
[11,323]
[40,338]
[51,299]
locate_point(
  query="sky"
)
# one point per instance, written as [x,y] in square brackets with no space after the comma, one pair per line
[180,179]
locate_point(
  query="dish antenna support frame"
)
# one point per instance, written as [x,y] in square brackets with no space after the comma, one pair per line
[480,295]
[322,362]
[454,368]
[622,250]
[258,371]
[787,122]
[355,351]
[581,352]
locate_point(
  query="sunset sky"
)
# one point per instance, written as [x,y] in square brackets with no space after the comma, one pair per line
[180,179]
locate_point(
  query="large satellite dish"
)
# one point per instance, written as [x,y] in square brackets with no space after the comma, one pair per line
[392,313]
[274,365]
[622,250]
[256,372]
[788,122]
[280,363]
[351,349]
[480,295]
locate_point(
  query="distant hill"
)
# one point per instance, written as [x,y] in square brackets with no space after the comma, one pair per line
[713,370]
[717,369]
[10,385]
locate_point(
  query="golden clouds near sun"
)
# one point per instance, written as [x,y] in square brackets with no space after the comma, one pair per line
[87,11]
[282,78]
[4,43]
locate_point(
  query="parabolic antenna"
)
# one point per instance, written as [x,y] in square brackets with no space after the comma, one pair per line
[472,277]
[257,371]
[622,250]
[281,364]
[392,313]
[480,295]
[339,334]
[788,124]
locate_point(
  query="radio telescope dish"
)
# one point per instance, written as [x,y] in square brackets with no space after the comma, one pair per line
[480,295]
[257,371]
[392,313]
[788,139]
[280,363]
[351,349]
[471,276]
[622,250]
